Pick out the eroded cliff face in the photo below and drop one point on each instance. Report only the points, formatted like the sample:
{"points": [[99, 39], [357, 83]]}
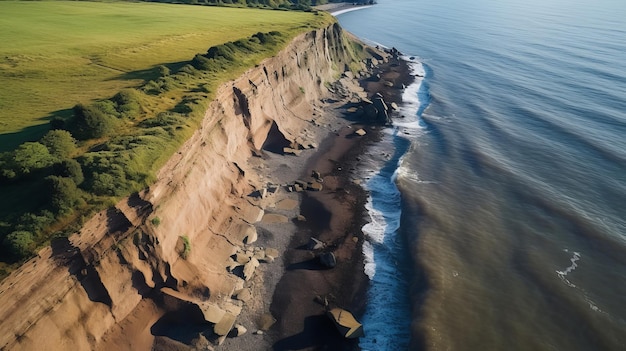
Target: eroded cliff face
{"points": [[122, 263]]}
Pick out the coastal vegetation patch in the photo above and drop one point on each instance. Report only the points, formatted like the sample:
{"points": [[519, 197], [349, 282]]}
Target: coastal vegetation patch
{"points": [[111, 145], [55, 54]]}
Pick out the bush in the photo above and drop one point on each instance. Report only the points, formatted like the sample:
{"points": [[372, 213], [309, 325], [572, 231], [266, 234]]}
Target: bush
{"points": [[92, 122], [128, 102], [164, 71], [69, 168], [19, 243], [155, 221], [64, 194], [29, 157], [186, 247], [60, 143]]}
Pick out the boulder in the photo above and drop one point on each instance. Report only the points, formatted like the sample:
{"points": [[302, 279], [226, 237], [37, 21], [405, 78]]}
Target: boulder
{"points": [[244, 295], [250, 234], [394, 106], [327, 259], [315, 186], [249, 268], [211, 312], [315, 174], [266, 321], [271, 253], [315, 244], [238, 330], [259, 255], [345, 322], [292, 151], [360, 132], [225, 324], [242, 258]]}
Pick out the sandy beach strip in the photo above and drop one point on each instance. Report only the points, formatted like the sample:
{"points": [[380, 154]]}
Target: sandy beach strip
{"points": [[334, 216]]}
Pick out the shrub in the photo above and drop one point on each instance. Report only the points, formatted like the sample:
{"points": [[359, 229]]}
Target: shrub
{"points": [[64, 194], [93, 122], [224, 51], [35, 222], [69, 168], [155, 221], [29, 157], [186, 247], [128, 102], [19, 243], [164, 71], [60, 143]]}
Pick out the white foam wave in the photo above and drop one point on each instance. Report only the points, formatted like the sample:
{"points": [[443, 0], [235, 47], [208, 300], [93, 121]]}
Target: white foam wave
{"points": [[563, 274], [407, 174], [341, 12], [370, 264], [375, 229]]}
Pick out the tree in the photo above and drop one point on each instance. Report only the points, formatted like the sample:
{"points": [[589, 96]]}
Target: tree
{"points": [[30, 156], [19, 243], [60, 143], [64, 194], [70, 168], [92, 122]]}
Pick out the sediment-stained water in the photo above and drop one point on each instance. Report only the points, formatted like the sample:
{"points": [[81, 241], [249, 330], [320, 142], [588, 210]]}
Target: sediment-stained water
{"points": [[503, 189]]}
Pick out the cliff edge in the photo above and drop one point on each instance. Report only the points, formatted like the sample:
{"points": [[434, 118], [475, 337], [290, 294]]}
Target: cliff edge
{"points": [[179, 251]]}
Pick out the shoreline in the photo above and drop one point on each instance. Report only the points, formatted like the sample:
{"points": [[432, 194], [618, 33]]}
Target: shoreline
{"points": [[336, 216], [338, 8]]}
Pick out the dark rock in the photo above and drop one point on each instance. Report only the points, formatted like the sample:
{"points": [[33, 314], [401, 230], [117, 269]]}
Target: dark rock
{"points": [[327, 259], [315, 244]]}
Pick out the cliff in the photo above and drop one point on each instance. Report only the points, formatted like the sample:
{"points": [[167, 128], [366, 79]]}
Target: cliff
{"points": [[170, 248]]}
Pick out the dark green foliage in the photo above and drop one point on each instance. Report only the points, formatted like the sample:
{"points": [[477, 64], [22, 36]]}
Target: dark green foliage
{"points": [[161, 120], [64, 194], [69, 168], [223, 51], [164, 71], [155, 221], [186, 247], [26, 159], [117, 171], [60, 143], [35, 222], [128, 103], [19, 243], [94, 121]]}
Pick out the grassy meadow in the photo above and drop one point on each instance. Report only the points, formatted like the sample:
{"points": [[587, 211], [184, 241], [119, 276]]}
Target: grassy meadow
{"points": [[55, 54]]}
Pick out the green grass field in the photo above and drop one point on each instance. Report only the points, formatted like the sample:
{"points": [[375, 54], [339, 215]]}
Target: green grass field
{"points": [[55, 54]]}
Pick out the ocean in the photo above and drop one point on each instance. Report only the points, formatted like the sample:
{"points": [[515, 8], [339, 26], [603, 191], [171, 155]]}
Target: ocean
{"points": [[498, 200]]}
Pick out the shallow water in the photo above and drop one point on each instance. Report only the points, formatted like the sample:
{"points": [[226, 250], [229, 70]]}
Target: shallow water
{"points": [[511, 170]]}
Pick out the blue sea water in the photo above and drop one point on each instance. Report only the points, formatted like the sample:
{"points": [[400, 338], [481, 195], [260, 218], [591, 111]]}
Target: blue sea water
{"points": [[498, 203]]}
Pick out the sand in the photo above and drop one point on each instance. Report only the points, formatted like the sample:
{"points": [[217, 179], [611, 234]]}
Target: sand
{"points": [[289, 287]]}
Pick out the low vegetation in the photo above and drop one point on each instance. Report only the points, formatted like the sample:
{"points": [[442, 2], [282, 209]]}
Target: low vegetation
{"points": [[104, 149], [186, 248], [56, 54]]}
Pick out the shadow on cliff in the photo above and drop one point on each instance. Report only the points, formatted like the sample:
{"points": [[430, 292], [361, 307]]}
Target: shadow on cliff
{"points": [[64, 253]]}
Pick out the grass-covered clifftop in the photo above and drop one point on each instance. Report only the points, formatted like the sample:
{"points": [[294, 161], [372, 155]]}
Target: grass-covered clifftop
{"points": [[55, 54], [121, 100]]}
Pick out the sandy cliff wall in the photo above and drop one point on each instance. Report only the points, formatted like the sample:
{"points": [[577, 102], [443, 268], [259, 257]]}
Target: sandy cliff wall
{"points": [[120, 263]]}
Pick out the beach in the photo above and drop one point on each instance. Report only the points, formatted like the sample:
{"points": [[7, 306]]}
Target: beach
{"points": [[293, 288]]}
